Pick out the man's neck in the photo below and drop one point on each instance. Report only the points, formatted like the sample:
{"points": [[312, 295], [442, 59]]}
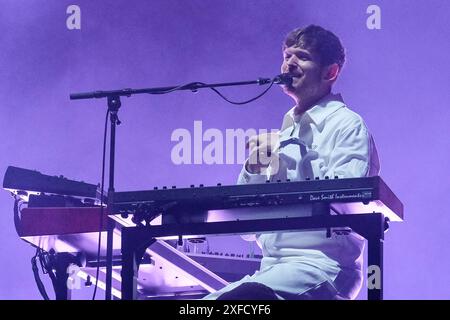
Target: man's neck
{"points": [[304, 105]]}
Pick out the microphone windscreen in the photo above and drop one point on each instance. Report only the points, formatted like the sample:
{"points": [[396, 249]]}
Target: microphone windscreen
{"points": [[284, 78]]}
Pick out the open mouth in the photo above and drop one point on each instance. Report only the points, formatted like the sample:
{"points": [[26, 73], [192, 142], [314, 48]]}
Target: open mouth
{"points": [[294, 82]]}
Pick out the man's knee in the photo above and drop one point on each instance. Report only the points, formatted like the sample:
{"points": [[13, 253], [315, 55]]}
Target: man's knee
{"points": [[249, 291]]}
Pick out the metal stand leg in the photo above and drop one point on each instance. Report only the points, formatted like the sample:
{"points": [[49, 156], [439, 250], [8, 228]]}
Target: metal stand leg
{"points": [[133, 249], [371, 227], [61, 263], [113, 108], [375, 269]]}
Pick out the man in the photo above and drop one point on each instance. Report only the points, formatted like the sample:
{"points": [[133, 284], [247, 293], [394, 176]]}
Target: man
{"points": [[319, 138]]}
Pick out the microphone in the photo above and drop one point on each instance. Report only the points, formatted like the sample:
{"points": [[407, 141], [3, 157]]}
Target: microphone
{"points": [[283, 79]]}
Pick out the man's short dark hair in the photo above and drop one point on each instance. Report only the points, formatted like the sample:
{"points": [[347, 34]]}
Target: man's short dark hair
{"points": [[325, 44]]}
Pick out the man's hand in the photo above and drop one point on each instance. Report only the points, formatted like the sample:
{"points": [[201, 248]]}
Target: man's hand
{"points": [[263, 149]]}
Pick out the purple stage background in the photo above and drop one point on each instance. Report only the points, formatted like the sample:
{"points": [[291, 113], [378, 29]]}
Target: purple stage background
{"points": [[397, 78]]}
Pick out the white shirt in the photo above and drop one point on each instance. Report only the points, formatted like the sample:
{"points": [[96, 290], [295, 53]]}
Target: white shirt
{"points": [[327, 140]]}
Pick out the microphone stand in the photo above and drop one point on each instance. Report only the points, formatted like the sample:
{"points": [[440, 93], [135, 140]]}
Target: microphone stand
{"points": [[114, 103]]}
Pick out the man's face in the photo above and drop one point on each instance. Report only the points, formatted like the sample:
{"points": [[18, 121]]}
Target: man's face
{"points": [[307, 72]]}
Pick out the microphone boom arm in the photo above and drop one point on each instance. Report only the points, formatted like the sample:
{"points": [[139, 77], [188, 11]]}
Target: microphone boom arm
{"points": [[194, 86]]}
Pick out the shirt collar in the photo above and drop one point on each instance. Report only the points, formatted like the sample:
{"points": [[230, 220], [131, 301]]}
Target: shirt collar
{"points": [[322, 109]]}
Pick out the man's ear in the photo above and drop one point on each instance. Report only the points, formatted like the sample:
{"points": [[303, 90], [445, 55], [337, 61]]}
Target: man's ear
{"points": [[331, 72]]}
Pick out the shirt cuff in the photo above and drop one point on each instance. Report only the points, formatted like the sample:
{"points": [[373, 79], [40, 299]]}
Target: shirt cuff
{"points": [[246, 177]]}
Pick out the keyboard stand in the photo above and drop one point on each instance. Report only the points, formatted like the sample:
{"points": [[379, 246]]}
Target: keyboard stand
{"points": [[371, 226]]}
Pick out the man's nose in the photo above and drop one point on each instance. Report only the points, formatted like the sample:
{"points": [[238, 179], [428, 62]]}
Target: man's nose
{"points": [[291, 67], [291, 60]]}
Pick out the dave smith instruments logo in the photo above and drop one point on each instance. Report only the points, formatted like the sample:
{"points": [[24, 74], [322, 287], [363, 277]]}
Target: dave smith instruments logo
{"points": [[340, 196]]}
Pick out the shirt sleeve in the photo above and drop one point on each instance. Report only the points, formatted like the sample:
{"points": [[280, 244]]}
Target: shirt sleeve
{"points": [[351, 156]]}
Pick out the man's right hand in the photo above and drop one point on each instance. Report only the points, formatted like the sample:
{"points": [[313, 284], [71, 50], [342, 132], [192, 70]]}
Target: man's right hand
{"points": [[263, 149]]}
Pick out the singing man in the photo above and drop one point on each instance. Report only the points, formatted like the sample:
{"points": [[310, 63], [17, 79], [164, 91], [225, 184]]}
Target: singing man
{"points": [[320, 137]]}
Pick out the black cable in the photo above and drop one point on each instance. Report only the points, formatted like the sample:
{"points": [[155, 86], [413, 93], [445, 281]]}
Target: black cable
{"points": [[42, 255], [105, 132], [34, 267], [37, 279], [16, 214], [217, 91], [177, 88], [49, 263], [243, 102]]}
